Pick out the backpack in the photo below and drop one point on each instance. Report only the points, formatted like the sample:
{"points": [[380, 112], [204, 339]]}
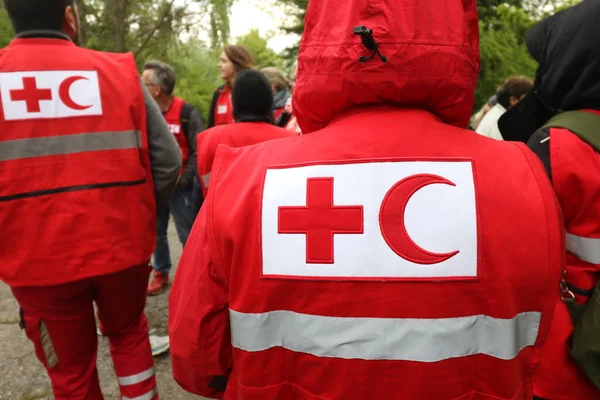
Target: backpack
{"points": [[186, 111], [585, 349]]}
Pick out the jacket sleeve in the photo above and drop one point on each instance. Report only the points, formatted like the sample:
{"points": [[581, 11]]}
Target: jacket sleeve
{"points": [[165, 155], [201, 350], [194, 127], [207, 144]]}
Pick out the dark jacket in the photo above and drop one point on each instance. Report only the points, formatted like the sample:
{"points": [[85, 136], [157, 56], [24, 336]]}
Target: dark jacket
{"points": [[192, 126], [567, 78], [213, 106]]}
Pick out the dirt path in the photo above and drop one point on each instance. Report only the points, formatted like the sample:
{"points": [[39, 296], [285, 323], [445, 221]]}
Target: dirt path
{"points": [[22, 377]]}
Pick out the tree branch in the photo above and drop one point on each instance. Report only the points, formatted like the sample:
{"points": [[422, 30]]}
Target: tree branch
{"points": [[154, 29]]}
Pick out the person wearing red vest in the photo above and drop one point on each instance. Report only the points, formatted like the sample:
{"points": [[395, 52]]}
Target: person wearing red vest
{"points": [[252, 109], [384, 254], [184, 123], [86, 159], [567, 80], [233, 60]]}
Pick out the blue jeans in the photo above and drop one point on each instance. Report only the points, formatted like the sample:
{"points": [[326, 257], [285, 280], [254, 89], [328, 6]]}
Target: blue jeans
{"points": [[197, 197], [184, 214]]}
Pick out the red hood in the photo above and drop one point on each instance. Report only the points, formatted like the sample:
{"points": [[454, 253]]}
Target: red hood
{"points": [[432, 48]]}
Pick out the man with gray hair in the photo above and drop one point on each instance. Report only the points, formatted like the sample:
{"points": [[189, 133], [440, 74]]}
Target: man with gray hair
{"points": [[185, 123]]}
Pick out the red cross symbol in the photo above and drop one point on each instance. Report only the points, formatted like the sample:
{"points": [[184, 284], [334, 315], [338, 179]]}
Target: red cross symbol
{"points": [[320, 220], [31, 95]]}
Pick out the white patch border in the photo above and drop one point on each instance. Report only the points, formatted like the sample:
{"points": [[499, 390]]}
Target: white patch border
{"points": [[58, 109], [432, 160]]}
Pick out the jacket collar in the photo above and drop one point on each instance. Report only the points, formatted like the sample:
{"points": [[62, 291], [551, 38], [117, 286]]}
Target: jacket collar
{"points": [[254, 118], [42, 34]]}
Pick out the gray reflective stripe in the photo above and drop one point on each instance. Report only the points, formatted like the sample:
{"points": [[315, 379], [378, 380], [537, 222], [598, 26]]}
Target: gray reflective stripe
{"points": [[137, 378], [148, 396], [68, 144], [206, 179], [420, 340], [587, 249]]}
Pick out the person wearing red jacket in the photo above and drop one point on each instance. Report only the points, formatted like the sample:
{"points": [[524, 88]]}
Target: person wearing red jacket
{"points": [[384, 254], [86, 160], [185, 123], [252, 103], [233, 60], [567, 80]]}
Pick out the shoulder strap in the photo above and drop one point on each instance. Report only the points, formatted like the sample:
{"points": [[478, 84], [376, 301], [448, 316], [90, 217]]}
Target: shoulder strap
{"points": [[584, 124], [539, 143], [186, 112]]}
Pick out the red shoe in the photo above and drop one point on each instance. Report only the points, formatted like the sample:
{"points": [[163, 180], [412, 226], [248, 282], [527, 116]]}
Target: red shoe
{"points": [[159, 284]]}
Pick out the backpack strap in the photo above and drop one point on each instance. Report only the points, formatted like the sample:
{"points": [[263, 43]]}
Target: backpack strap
{"points": [[584, 124], [539, 143], [186, 112]]}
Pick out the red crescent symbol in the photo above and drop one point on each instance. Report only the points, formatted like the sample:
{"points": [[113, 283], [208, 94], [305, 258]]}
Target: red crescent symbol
{"points": [[65, 96], [391, 220]]}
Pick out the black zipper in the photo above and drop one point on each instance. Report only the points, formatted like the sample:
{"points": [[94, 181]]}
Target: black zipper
{"points": [[47, 192]]}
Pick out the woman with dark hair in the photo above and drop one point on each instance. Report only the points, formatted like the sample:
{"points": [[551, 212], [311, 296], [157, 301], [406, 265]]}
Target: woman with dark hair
{"points": [[233, 60]]}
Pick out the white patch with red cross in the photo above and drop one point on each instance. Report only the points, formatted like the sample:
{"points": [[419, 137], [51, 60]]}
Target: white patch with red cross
{"points": [[392, 220], [175, 129], [49, 94]]}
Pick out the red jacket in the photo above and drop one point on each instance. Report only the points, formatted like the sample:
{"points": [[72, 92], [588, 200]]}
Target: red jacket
{"points": [[173, 118], [313, 275], [233, 135], [575, 169], [76, 192], [221, 110]]}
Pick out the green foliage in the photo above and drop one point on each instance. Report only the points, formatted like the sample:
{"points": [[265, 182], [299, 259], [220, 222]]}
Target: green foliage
{"points": [[265, 56], [487, 8], [6, 32], [197, 77], [219, 22], [503, 50], [296, 9]]}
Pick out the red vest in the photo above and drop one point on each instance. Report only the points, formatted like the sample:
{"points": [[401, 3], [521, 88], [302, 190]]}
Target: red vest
{"points": [[234, 135], [76, 191], [277, 113], [356, 270], [575, 169], [173, 117], [224, 107]]}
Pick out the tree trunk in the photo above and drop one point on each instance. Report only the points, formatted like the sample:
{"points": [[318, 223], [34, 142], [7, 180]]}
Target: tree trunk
{"points": [[116, 23]]}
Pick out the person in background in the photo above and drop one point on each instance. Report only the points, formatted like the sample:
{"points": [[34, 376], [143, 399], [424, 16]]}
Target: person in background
{"points": [[566, 47], [281, 94], [292, 124], [476, 119], [185, 123], [252, 105], [86, 160], [234, 59], [300, 277], [508, 95]]}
